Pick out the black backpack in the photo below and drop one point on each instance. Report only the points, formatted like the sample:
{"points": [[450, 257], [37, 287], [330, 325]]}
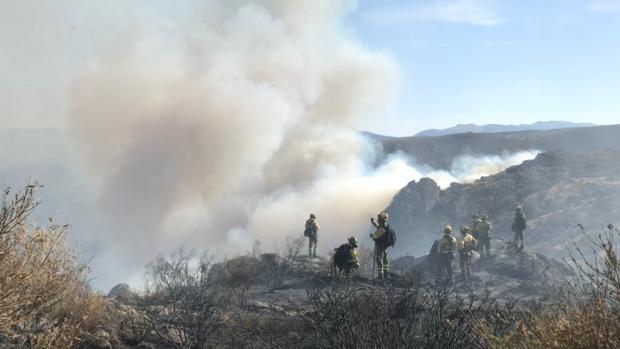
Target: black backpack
{"points": [[342, 254], [391, 234], [389, 238]]}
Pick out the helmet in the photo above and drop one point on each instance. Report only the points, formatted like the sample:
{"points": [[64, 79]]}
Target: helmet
{"points": [[447, 229], [312, 215], [353, 241], [519, 208], [383, 216], [484, 217], [465, 229]]}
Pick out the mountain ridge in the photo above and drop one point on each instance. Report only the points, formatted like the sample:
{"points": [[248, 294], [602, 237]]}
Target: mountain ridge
{"points": [[499, 128]]}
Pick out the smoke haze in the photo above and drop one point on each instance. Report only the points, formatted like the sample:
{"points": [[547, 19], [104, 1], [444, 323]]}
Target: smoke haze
{"points": [[234, 129], [227, 125]]}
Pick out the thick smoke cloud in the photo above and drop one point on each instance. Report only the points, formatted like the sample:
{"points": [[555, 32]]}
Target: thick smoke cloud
{"points": [[192, 129], [235, 125]]}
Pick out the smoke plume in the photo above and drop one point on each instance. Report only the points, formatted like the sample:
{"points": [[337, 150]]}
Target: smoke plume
{"points": [[235, 126]]}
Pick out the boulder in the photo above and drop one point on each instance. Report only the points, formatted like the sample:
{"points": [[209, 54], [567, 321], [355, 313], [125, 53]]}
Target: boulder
{"points": [[238, 271], [405, 264], [123, 293]]}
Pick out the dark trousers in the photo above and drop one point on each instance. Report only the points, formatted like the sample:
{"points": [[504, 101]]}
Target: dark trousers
{"points": [[312, 242], [383, 264], [484, 244], [518, 238], [465, 264], [445, 266]]}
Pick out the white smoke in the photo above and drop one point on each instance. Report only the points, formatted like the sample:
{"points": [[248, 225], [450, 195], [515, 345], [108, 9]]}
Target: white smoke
{"points": [[236, 125]]}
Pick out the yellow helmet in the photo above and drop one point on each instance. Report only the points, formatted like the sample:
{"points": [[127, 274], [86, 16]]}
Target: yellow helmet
{"points": [[465, 229], [383, 216], [447, 229]]}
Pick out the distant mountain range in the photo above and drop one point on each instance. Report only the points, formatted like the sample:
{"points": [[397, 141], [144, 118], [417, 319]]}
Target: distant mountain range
{"points": [[496, 128]]}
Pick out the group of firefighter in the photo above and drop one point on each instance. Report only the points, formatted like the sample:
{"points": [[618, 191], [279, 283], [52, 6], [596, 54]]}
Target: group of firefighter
{"points": [[475, 238]]}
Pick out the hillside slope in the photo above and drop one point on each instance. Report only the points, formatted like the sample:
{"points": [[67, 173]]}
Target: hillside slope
{"points": [[558, 191], [439, 152]]}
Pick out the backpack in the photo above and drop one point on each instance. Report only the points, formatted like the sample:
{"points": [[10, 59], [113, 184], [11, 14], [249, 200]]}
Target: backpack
{"points": [[389, 238], [309, 230], [342, 254]]}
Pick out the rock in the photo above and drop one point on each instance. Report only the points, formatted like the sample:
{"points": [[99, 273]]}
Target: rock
{"points": [[304, 265], [508, 273], [557, 191], [123, 293], [406, 264], [238, 271]]}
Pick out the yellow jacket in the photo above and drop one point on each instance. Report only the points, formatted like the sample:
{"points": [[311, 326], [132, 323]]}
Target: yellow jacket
{"points": [[312, 224], [447, 244], [378, 233], [467, 243]]}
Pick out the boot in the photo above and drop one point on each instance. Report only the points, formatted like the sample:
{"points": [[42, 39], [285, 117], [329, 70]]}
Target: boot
{"points": [[380, 276]]}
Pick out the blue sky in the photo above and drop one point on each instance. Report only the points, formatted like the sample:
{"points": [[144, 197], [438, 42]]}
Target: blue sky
{"points": [[461, 61], [496, 61]]}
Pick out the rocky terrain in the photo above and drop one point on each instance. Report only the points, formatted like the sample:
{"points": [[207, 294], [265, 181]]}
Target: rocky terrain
{"points": [[508, 275], [564, 196]]}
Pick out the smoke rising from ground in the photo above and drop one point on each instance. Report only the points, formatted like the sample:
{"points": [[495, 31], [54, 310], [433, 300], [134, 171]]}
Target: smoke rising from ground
{"points": [[236, 125]]}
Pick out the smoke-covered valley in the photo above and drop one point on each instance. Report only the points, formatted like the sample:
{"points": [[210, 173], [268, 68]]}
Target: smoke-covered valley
{"points": [[119, 245]]}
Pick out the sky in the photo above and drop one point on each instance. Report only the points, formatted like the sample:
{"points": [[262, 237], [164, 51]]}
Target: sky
{"points": [[460, 61]]}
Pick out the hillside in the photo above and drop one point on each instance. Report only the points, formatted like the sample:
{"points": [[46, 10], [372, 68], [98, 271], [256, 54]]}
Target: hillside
{"points": [[558, 190], [439, 152]]}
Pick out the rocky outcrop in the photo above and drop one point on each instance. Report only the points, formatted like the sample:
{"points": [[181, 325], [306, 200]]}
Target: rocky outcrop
{"points": [[123, 293], [508, 273], [557, 191]]}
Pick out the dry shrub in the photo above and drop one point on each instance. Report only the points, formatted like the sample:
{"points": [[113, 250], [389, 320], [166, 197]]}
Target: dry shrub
{"points": [[43, 298], [275, 267], [584, 314], [76, 317], [181, 306], [353, 316]]}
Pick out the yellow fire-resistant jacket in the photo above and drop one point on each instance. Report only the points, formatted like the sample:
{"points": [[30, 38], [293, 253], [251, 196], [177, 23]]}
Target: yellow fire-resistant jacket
{"points": [[467, 243], [313, 225], [378, 233], [447, 244]]}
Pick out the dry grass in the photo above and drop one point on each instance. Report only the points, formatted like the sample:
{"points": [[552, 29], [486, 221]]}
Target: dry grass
{"points": [[585, 314], [44, 302]]}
